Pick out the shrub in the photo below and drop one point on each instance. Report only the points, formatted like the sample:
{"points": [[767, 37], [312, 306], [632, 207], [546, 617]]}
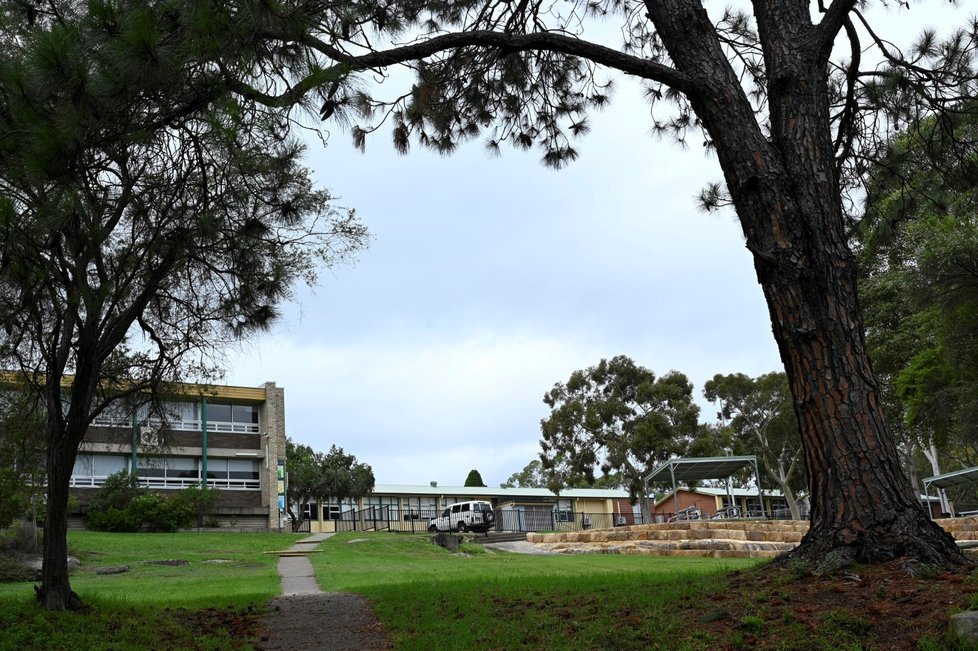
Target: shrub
{"points": [[200, 500], [111, 506], [19, 538], [121, 505]]}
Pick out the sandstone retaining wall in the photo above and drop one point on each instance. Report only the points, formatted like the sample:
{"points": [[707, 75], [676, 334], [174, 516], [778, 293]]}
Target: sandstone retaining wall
{"points": [[712, 538]]}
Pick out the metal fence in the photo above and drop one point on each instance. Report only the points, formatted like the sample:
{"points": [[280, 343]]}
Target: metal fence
{"points": [[389, 518]]}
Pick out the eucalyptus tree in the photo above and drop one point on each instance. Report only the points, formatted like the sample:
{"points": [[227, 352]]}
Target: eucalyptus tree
{"points": [[305, 476], [918, 253], [619, 417], [148, 218], [319, 475], [793, 128], [531, 476], [763, 423]]}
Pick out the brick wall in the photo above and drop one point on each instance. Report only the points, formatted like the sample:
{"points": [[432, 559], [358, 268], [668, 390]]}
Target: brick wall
{"points": [[273, 425], [706, 503]]}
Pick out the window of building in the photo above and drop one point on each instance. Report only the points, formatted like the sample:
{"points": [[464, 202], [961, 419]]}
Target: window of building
{"points": [[563, 511], [419, 508], [232, 418], [336, 510], [181, 472], [93, 469], [243, 469]]}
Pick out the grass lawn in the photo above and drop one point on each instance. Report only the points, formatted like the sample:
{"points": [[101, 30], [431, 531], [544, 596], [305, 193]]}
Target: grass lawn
{"points": [[152, 606], [431, 599]]}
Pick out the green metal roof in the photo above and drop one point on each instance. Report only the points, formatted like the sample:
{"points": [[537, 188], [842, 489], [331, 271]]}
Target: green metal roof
{"points": [[489, 491], [699, 468], [956, 478]]}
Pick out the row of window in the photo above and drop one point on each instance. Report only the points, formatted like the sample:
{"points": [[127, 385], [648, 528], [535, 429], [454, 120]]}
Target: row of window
{"points": [[186, 416], [171, 472]]}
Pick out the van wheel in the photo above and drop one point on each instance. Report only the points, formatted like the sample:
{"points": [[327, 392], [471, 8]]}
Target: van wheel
{"points": [[461, 527], [432, 528]]}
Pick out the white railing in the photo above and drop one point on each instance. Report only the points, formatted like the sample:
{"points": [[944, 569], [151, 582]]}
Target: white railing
{"points": [[182, 425], [174, 483]]}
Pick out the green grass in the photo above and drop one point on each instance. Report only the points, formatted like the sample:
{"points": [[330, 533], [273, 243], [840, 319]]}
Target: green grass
{"points": [[248, 576], [151, 606], [431, 599], [427, 597]]}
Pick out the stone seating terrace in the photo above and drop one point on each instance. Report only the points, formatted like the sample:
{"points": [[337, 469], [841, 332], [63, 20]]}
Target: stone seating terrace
{"points": [[704, 538]]}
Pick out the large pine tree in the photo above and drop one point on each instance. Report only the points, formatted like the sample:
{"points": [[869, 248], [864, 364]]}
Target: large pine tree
{"points": [[792, 129]]}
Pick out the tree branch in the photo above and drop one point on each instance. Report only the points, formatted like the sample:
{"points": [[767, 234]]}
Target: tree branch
{"points": [[549, 41], [835, 18]]}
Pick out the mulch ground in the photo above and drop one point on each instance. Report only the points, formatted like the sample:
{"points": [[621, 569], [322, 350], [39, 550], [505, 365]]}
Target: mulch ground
{"points": [[337, 621], [890, 606]]}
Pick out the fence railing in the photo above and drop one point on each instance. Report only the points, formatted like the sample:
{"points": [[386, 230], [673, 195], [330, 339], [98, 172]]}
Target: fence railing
{"points": [[172, 482], [378, 518], [389, 518]]}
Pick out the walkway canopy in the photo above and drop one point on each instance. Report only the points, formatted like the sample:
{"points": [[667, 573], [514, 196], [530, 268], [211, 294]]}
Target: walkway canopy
{"points": [[956, 478], [693, 469]]}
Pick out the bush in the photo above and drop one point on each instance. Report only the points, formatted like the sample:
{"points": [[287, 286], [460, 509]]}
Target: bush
{"points": [[111, 506], [17, 543], [201, 501], [122, 506], [13, 569], [19, 538]]}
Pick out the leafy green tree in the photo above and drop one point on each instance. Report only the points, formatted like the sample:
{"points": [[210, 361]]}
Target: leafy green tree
{"points": [[763, 423], [148, 216], [21, 459], [918, 250], [619, 417], [532, 476], [315, 475], [345, 477], [305, 476], [474, 479]]}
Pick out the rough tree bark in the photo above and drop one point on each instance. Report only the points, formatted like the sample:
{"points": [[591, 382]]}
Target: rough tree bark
{"points": [[63, 439], [786, 194]]}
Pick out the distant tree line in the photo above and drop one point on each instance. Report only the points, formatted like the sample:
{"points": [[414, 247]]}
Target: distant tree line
{"points": [[619, 418]]}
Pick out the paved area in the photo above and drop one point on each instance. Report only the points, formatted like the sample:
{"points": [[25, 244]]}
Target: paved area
{"points": [[520, 547], [296, 571]]}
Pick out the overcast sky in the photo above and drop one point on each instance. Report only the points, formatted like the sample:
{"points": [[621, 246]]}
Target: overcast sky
{"points": [[489, 279]]}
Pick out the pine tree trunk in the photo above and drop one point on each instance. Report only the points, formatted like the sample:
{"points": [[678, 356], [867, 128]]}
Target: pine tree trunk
{"points": [[55, 591], [783, 184]]}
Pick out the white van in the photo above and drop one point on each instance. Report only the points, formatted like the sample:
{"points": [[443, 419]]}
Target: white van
{"points": [[464, 516]]}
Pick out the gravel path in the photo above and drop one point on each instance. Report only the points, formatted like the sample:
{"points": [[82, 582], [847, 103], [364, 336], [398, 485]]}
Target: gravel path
{"points": [[305, 618]]}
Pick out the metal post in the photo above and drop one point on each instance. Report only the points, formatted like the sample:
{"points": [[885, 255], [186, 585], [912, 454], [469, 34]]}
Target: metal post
{"points": [[760, 491], [675, 492], [135, 438], [930, 511]]}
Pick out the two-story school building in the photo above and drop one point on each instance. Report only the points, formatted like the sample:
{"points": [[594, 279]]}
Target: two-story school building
{"points": [[228, 438]]}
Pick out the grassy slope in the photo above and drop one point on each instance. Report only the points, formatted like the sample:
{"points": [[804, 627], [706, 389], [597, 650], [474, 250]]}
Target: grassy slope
{"points": [[431, 599], [146, 607]]}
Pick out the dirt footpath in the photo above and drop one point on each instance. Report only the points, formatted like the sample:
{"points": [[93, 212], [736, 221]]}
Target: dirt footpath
{"points": [[335, 621], [304, 618]]}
